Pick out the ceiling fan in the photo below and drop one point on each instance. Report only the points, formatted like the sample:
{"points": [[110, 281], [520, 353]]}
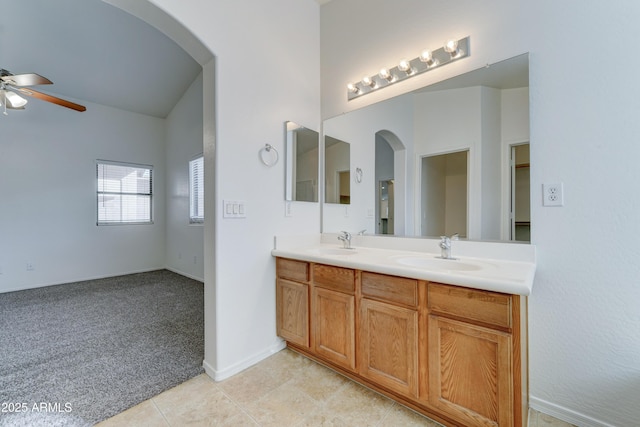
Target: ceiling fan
{"points": [[12, 84]]}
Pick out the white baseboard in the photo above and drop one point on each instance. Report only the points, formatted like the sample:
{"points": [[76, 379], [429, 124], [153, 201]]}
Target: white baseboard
{"points": [[565, 414], [97, 277], [182, 273], [80, 279], [222, 374]]}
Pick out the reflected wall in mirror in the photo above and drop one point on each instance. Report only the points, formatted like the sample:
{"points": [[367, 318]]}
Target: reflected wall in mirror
{"points": [[302, 159], [444, 194], [337, 171], [484, 113]]}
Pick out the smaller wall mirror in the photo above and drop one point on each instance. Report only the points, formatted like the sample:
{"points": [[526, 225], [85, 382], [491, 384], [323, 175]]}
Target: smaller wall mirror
{"points": [[337, 172], [302, 159]]}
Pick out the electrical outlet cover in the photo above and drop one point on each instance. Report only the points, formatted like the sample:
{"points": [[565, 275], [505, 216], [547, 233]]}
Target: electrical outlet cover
{"points": [[552, 194]]}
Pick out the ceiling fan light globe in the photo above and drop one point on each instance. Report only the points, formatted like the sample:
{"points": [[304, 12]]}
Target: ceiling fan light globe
{"points": [[14, 100]]}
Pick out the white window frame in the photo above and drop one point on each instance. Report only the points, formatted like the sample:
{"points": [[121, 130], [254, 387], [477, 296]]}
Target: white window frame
{"points": [[100, 191], [196, 190]]}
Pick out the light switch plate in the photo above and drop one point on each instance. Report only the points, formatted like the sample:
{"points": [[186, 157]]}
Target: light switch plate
{"points": [[234, 209]]}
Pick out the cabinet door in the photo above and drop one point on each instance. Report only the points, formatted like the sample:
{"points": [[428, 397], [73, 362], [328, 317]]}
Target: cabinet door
{"points": [[470, 372], [292, 308], [389, 346], [334, 328]]}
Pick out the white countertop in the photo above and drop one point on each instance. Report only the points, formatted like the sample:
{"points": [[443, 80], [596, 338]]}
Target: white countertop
{"points": [[509, 269]]}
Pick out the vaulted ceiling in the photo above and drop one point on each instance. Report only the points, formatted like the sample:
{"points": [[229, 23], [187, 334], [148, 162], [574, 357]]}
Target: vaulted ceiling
{"points": [[95, 52]]}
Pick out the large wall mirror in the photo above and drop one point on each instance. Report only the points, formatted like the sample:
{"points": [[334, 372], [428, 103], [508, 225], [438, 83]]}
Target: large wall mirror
{"points": [[302, 160], [448, 158]]}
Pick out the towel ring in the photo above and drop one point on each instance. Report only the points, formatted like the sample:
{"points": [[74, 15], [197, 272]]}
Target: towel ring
{"points": [[358, 175], [269, 155]]}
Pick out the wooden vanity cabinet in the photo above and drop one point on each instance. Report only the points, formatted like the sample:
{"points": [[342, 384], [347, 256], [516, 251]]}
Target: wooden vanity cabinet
{"points": [[474, 356], [292, 301], [333, 314], [388, 332], [455, 354]]}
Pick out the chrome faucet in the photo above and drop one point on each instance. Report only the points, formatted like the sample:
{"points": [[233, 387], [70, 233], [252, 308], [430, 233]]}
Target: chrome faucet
{"points": [[345, 236], [445, 246]]}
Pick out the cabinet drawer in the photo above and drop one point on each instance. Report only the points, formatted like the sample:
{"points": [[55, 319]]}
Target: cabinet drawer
{"points": [[391, 289], [294, 270], [472, 304], [336, 278]]}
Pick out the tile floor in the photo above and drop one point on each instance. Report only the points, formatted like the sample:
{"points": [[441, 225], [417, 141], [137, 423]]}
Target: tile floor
{"points": [[284, 390]]}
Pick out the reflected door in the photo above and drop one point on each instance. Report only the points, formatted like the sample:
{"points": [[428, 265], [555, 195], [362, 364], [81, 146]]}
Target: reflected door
{"points": [[520, 215], [344, 187]]}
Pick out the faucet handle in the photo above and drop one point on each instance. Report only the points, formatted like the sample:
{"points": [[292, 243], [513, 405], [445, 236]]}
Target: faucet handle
{"points": [[344, 236], [455, 236]]}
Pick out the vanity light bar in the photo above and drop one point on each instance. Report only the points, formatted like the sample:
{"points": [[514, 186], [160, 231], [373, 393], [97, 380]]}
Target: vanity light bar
{"points": [[427, 60]]}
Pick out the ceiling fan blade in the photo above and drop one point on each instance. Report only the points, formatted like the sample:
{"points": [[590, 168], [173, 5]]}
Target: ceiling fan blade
{"points": [[30, 79], [51, 98]]}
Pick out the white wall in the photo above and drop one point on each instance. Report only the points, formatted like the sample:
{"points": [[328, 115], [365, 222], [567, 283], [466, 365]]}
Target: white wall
{"points": [[184, 249], [583, 313], [490, 170], [515, 115], [514, 130], [48, 193], [267, 72]]}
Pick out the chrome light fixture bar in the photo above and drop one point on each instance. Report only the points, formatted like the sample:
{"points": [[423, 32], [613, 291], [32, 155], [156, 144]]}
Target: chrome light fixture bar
{"points": [[427, 60]]}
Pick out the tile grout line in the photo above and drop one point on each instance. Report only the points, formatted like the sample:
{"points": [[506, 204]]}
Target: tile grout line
{"points": [[153, 402], [237, 404], [386, 415]]}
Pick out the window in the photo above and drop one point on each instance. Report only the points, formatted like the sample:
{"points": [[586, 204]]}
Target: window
{"points": [[196, 190], [124, 193]]}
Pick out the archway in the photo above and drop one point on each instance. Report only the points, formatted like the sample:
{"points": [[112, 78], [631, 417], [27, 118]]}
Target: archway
{"points": [[168, 25], [390, 184]]}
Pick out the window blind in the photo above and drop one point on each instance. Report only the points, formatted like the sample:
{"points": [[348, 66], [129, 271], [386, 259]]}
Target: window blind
{"points": [[124, 193], [196, 193]]}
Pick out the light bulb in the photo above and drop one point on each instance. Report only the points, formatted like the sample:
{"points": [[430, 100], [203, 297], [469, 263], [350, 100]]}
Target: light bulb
{"points": [[366, 80], [352, 88], [405, 66], [451, 47], [386, 75], [426, 56]]}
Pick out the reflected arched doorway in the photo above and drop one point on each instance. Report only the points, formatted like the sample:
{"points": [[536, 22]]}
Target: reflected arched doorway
{"points": [[390, 183]]}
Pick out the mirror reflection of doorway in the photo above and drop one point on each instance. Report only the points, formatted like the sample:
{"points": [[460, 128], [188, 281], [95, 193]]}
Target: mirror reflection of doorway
{"points": [[344, 187], [444, 192], [386, 207], [520, 216], [390, 184]]}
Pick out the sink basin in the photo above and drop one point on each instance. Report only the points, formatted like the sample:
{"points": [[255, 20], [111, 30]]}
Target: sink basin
{"points": [[437, 263], [333, 251]]}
